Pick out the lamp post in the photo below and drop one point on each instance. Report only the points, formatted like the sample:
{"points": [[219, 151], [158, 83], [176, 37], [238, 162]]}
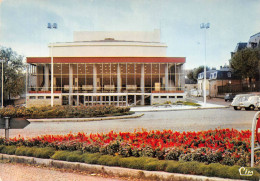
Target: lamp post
{"points": [[52, 26], [205, 26], [2, 95]]}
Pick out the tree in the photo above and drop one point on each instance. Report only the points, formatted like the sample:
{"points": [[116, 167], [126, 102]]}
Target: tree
{"points": [[198, 70], [246, 63], [14, 77]]}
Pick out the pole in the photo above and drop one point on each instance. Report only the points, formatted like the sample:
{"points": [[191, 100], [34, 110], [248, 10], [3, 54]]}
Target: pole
{"points": [[7, 121], [205, 74], [2, 84], [52, 76]]}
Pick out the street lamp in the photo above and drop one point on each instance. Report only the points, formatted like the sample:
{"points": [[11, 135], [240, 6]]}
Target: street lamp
{"points": [[2, 96], [205, 26], [52, 26]]}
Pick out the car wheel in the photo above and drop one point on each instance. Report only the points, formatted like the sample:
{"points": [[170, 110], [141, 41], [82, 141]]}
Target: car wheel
{"points": [[226, 100], [237, 108], [247, 108], [251, 107]]}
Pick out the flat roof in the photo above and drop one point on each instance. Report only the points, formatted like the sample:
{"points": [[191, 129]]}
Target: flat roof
{"points": [[106, 59]]}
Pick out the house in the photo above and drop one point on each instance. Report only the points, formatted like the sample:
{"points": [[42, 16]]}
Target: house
{"points": [[254, 41], [106, 68], [219, 79], [240, 46], [201, 82]]}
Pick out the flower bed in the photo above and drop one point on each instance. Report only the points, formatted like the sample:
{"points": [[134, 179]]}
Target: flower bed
{"points": [[225, 146], [63, 111]]}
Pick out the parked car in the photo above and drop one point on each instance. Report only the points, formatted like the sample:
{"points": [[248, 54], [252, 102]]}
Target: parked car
{"points": [[251, 103], [229, 97], [239, 98]]}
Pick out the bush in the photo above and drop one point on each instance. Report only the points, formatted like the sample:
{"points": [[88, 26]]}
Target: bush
{"points": [[21, 151], [60, 155], [10, 150], [43, 152], [91, 158], [75, 156], [62, 111]]}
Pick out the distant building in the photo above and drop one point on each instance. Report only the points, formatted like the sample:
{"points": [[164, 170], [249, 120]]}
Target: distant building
{"points": [[240, 46], [221, 78], [254, 41], [201, 82], [190, 85], [107, 68]]}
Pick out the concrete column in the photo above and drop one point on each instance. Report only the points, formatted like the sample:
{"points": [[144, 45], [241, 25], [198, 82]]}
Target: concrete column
{"points": [[37, 78], [135, 100], [126, 100], [109, 98], [46, 77], [142, 84], [70, 84], [119, 81], [166, 77], [94, 78]]}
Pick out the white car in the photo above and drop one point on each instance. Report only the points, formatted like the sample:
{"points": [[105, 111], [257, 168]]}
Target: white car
{"points": [[251, 103], [238, 99]]}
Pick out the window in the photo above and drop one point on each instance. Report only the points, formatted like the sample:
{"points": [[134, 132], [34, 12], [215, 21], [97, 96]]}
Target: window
{"points": [[155, 97], [40, 97], [163, 97], [48, 97], [179, 96], [56, 97], [172, 97], [229, 74], [32, 97]]}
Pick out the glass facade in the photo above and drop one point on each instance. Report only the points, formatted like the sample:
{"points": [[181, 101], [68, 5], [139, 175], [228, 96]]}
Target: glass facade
{"points": [[103, 83]]}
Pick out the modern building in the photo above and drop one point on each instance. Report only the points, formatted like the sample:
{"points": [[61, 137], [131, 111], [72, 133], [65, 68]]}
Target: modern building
{"points": [[119, 68]]}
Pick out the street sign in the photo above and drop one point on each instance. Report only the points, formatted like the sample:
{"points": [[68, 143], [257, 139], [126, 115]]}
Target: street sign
{"points": [[257, 130], [15, 123]]}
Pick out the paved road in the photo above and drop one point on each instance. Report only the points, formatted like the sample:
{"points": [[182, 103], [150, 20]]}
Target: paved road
{"points": [[186, 120], [21, 172]]}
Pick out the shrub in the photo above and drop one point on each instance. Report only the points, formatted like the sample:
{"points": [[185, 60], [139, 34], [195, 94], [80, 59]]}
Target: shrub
{"points": [[91, 158], [30, 151], [60, 155], [21, 151], [43, 152], [75, 156], [62, 111], [9, 150], [156, 165]]}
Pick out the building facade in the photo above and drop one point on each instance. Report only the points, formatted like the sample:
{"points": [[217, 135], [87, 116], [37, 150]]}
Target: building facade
{"points": [[108, 68]]}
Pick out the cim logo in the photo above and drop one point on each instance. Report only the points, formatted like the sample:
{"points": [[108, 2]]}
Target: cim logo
{"points": [[244, 172]]}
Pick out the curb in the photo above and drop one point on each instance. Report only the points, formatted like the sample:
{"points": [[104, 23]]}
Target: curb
{"points": [[85, 119], [109, 170]]}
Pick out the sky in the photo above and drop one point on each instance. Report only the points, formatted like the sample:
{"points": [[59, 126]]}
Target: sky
{"points": [[23, 24]]}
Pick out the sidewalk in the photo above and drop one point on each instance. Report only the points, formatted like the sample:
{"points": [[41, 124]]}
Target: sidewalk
{"points": [[176, 107]]}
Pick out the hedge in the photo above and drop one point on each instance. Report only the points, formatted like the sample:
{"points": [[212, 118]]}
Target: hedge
{"points": [[143, 163], [63, 111]]}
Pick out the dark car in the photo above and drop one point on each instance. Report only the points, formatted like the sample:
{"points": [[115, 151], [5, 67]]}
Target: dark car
{"points": [[229, 97]]}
